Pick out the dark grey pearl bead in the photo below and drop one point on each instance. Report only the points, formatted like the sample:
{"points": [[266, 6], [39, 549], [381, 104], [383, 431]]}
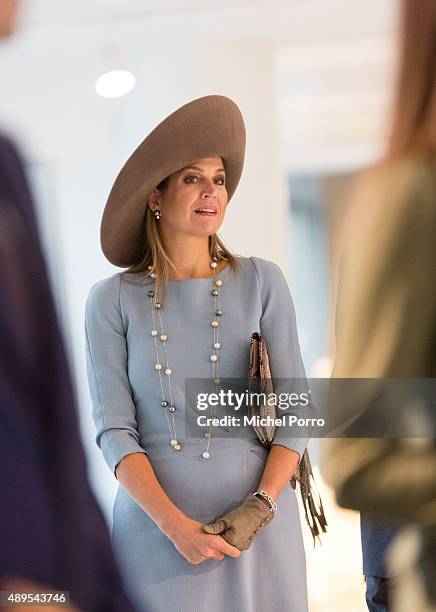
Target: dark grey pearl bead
{"points": [[164, 403], [215, 292], [172, 409], [218, 312], [151, 293]]}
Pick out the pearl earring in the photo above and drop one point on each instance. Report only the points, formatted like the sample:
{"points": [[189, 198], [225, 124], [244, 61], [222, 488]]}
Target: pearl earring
{"points": [[156, 214]]}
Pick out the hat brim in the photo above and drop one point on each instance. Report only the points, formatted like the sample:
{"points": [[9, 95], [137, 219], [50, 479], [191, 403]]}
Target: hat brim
{"points": [[211, 125]]}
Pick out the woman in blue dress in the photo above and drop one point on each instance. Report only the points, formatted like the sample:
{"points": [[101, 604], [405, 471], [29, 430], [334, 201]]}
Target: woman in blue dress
{"points": [[186, 308]]}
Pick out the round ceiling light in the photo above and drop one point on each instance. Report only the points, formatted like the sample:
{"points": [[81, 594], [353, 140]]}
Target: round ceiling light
{"points": [[115, 83]]}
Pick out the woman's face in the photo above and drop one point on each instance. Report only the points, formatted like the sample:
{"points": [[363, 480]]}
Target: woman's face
{"points": [[194, 200]]}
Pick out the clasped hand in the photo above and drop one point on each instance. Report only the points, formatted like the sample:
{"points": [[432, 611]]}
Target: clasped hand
{"points": [[240, 526]]}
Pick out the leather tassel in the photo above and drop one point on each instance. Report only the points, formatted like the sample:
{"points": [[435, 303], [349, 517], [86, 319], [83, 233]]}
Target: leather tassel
{"points": [[313, 508], [260, 377]]}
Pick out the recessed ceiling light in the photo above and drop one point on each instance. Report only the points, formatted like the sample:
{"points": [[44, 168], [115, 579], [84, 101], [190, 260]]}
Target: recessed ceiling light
{"points": [[115, 83]]}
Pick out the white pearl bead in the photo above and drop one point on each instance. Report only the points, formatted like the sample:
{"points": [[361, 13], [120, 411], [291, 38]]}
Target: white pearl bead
{"points": [[214, 357], [216, 381], [217, 345], [158, 366], [213, 265], [149, 267], [153, 275], [164, 337], [174, 442], [168, 371], [214, 323], [218, 283], [208, 435], [153, 332], [206, 455]]}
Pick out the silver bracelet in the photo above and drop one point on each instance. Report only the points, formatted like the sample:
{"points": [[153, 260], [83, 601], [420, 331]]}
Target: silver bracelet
{"points": [[270, 500]]}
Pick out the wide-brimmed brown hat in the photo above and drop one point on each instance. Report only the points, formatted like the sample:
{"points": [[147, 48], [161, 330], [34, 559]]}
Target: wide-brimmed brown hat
{"points": [[212, 125]]}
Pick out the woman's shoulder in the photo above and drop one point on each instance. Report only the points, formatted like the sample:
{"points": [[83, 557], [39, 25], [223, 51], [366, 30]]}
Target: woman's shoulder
{"points": [[415, 168], [391, 193], [104, 290], [267, 272], [400, 182], [256, 263], [264, 268]]}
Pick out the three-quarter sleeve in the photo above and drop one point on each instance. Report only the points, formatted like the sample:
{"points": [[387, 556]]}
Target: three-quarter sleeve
{"points": [[278, 328], [113, 409]]}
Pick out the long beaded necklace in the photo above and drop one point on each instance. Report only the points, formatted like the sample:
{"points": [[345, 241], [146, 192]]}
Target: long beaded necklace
{"points": [[167, 404]]}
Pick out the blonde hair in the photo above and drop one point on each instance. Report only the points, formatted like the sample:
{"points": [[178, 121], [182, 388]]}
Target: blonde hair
{"points": [[157, 260]]}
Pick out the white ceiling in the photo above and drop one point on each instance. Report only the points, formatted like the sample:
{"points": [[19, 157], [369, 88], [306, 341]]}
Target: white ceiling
{"points": [[63, 11], [335, 58], [290, 19]]}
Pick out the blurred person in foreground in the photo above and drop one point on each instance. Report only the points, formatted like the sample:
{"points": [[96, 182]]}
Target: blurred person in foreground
{"points": [[388, 316], [52, 533], [375, 538]]}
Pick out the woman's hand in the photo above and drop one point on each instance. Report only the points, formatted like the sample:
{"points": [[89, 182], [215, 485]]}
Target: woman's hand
{"points": [[240, 526], [197, 546]]}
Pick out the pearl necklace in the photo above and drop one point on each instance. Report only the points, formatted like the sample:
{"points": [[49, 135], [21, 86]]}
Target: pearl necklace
{"points": [[168, 406]]}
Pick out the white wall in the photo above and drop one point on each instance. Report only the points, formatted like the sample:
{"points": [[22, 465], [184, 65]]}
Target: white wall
{"points": [[83, 140], [262, 57]]}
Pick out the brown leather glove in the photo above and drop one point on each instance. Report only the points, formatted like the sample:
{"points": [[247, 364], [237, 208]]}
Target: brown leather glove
{"points": [[240, 526]]}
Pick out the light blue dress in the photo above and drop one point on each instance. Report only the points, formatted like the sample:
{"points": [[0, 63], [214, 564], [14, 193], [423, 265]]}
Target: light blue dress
{"points": [[126, 398]]}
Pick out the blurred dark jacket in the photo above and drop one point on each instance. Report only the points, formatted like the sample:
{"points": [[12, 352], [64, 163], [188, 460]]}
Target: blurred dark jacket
{"points": [[51, 529]]}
